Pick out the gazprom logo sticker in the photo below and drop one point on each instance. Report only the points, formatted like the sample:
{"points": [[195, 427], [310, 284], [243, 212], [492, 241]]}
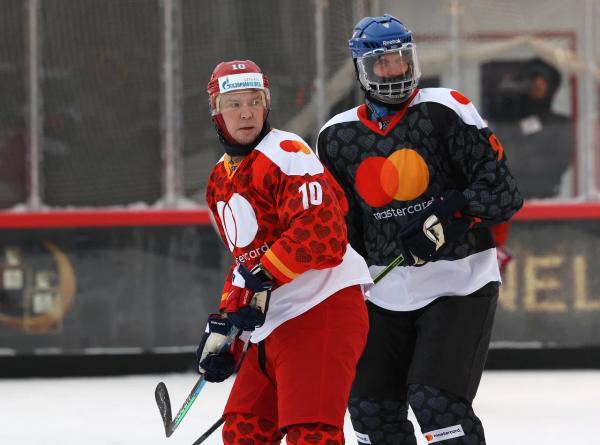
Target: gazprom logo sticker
{"points": [[444, 434], [240, 82]]}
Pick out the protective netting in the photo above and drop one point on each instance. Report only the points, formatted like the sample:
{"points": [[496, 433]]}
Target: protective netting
{"points": [[102, 82], [12, 103], [531, 68], [101, 88], [280, 37]]}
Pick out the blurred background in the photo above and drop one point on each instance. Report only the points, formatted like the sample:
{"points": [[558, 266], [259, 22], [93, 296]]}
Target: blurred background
{"points": [[108, 259]]}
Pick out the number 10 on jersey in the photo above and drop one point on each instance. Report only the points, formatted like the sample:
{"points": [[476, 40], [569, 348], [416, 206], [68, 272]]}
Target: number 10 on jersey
{"points": [[312, 194]]}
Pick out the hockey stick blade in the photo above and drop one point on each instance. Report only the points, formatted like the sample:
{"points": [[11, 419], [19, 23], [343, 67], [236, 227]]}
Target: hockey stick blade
{"points": [[164, 405], [163, 402]]}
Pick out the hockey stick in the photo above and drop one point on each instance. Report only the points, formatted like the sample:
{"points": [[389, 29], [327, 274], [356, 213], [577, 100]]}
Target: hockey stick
{"points": [[163, 401], [209, 431], [395, 262], [219, 422]]}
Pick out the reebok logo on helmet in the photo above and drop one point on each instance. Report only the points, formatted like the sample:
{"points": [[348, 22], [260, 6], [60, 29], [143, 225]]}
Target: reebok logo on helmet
{"points": [[392, 42]]}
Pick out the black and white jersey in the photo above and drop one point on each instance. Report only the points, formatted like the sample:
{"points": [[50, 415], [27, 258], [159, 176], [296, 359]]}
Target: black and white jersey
{"points": [[392, 171]]}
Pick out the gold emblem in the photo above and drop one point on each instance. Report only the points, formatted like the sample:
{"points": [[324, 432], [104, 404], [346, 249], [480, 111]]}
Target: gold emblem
{"points": [[35, 300]]}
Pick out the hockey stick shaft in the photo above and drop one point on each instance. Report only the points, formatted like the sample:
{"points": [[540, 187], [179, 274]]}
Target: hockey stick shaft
{"points": [[191, 398], [209, 431], [396, 262]]}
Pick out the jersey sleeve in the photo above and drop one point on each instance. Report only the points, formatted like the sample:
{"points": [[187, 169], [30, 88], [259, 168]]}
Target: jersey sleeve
{"points": [[226, 287], [312, 215], [476, 152], [353, 216], [337, 191], [492, 192]]}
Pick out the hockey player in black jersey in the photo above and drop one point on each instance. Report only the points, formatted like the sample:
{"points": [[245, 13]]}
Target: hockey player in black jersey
{"points": [[425, 178]]}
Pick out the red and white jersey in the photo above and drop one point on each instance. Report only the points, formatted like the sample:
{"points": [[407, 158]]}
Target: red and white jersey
{"points": [[282, 208]]}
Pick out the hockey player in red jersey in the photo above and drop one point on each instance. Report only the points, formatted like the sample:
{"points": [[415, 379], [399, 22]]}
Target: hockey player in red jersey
{"points": [[426, 179], [295, 282]]}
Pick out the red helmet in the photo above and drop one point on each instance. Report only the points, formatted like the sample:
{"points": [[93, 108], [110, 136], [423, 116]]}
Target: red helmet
{"points": [[232, 76]]}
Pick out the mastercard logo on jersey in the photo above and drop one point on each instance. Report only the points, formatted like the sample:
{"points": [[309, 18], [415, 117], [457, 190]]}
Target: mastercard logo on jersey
{"points": [[238, 221], [294, 147], [402, 176]]}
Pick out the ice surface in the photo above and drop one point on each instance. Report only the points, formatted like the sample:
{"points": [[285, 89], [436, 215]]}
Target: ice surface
{"points": [[524, 407]]}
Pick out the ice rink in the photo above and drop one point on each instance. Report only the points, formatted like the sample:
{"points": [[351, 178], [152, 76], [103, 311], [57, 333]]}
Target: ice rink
{"points": [[517, 407]]}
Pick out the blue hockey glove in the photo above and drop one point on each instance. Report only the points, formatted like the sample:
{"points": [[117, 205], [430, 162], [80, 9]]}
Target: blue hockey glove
{"points": [[213, 356], [247, 302], [424, 236]]}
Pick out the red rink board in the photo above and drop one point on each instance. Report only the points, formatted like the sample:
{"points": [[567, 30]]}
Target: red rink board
{"points": [[103, 218], [531, 211]]}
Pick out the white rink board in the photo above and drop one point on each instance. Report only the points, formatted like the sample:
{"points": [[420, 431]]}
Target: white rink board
{"points": [[532, 407]]}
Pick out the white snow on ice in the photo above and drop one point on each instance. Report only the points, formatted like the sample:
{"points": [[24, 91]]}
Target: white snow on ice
{"points": [[516, 407]]}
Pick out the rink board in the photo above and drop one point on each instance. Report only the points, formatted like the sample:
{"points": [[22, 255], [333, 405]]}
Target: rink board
{"points": [[127, 283], [109, 284]]}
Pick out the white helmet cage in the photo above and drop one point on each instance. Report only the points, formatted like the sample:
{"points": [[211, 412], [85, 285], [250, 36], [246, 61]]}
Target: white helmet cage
{"points": [[389, 75]]}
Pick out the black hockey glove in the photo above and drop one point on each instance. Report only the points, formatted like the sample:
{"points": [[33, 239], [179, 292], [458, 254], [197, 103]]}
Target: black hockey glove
{"points": [[424, 236], [248, 299], [213, 356]]}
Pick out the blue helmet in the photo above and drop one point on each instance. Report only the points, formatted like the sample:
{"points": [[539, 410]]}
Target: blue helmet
{"points": [[385, 58]]}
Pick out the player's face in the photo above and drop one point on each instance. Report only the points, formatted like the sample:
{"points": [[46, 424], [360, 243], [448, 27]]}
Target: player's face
{"points": [[390, 65], [243, 113], [539, 88]]}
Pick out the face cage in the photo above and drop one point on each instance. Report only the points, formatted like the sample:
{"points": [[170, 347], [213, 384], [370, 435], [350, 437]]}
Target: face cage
{"points": [[390, 92]]}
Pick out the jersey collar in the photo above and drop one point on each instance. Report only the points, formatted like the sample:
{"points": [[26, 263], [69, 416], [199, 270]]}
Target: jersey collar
{"points": [[230, 165], [393, 119]]}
